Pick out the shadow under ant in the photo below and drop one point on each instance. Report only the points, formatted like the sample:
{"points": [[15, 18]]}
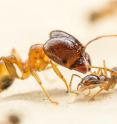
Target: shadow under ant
{"points": [[101, 97], [36, 96]]}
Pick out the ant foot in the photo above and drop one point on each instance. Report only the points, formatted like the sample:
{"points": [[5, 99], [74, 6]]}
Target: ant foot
{"points": [[92, 99], [54, 102]]}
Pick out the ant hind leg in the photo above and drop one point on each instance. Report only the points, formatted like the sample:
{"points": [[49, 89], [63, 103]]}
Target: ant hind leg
{"points": [[93, 97], [16, 54], [9, 65]]}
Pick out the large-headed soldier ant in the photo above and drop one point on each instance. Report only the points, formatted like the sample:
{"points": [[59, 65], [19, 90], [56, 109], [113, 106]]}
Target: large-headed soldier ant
{"points": [[62, 48]]}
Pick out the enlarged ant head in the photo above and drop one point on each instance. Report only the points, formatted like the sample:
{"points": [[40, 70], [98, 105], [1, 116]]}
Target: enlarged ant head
{"points": [[66, 50]]}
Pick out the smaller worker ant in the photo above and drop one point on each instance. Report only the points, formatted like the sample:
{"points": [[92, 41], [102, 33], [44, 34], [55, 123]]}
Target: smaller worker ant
{"points": [[61, 48], [108, 10], [100, 79]]}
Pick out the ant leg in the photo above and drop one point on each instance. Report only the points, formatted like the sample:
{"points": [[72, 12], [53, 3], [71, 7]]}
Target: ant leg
{"points": [[7, 74], [35, 75], [46, 76], [99, 72], [113, 84], [73, 75], [105, 69], [110, 84], [109, 70], [89, 93], [94, 73], [56, 70], [12, 71], [16, 54], [9, 65], [93, 97]]}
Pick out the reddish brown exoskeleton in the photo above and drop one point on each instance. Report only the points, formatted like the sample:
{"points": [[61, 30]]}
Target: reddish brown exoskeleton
{"points": [[67, 51], [62, 48]]}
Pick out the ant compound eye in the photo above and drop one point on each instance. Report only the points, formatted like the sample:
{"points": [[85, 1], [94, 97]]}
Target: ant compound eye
{"points": [[80, 61], [64, 61]]}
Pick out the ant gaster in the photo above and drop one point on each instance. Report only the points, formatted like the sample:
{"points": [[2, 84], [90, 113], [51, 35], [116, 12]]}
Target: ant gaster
{"points": [[61, 48]]}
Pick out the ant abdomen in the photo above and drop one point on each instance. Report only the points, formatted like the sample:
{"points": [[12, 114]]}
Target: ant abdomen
{"points": [[114, 69], [5, 78], [6, 82]]}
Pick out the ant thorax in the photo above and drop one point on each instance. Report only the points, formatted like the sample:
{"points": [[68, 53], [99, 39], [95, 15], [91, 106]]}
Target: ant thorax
{"points": [[37, 58]]}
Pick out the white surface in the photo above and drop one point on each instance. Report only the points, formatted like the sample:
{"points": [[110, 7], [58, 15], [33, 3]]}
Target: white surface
{"points": [[26, 22]]}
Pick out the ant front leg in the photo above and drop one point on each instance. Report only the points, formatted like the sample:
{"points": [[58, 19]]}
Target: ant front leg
{"points": [[35, 75], [73, 75], [56, 70]]}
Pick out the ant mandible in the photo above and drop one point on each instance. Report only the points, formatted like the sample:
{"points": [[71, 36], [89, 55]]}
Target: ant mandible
{"points": [[99, 79], [62, 48]]}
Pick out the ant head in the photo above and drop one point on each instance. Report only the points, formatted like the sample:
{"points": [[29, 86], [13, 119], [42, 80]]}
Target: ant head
{"points": [[89, 81], [82, 63]]}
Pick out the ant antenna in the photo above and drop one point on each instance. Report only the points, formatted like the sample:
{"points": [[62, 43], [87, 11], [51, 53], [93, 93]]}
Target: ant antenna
{"points": [[97, 38], [107, 69]]}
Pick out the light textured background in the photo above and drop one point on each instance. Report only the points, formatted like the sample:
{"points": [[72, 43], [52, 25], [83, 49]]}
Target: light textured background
{"points": [[27, 22]]}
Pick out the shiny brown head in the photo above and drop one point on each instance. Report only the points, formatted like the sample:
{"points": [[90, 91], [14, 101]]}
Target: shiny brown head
{"points": [[67, 51]]}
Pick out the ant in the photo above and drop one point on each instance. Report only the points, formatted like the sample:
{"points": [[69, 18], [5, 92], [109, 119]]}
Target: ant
{"points": [[106, 11], [99, 79], [61, 48]]}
